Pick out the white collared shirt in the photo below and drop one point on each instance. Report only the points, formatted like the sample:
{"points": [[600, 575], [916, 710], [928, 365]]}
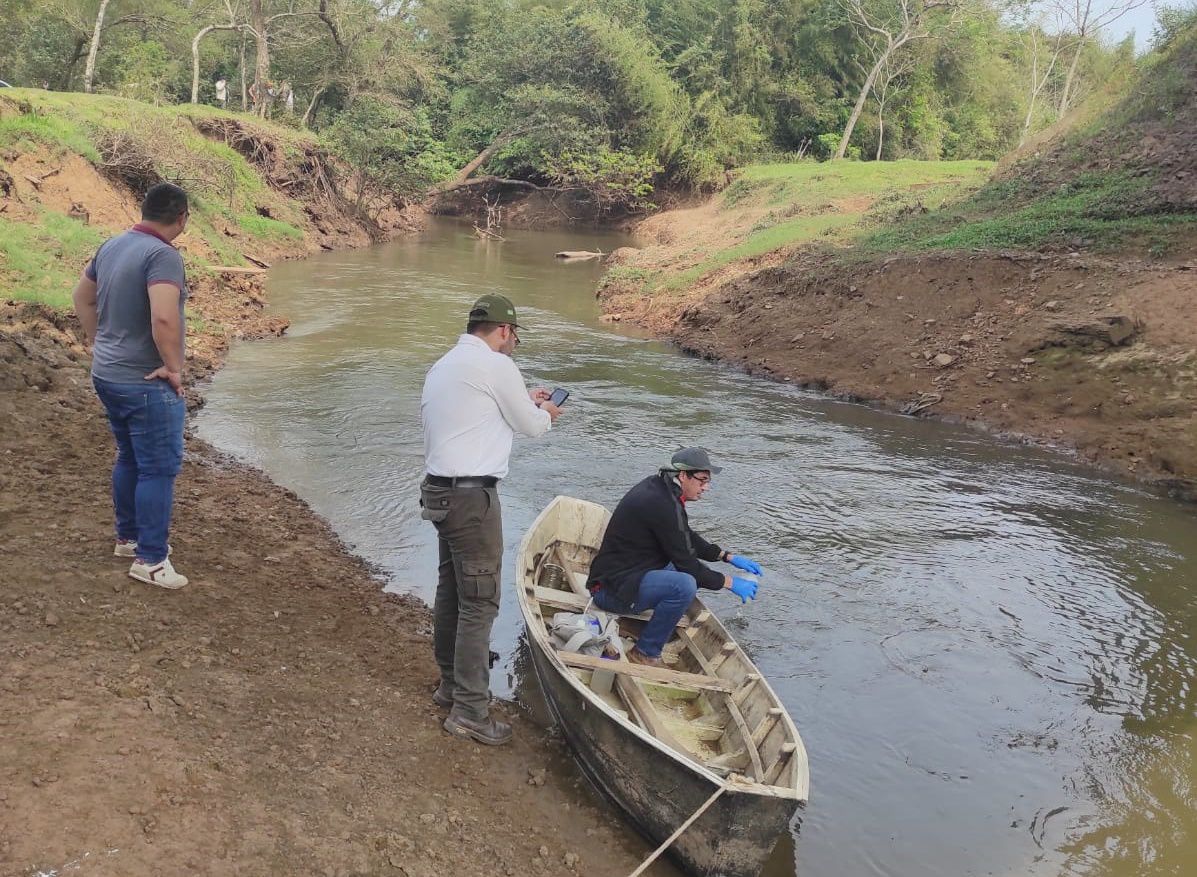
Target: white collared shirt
{"points": [[473, 404]]}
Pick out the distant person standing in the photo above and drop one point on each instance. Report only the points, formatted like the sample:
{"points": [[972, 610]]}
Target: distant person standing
{"points": [[130, 301], [289, 98], [222, 93], [473, 404]]}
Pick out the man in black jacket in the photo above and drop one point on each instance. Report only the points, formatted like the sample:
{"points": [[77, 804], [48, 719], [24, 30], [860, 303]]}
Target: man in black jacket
{"points": [[651, 559]]}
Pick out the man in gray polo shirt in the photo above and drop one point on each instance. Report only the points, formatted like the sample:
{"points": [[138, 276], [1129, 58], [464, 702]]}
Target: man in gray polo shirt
{"points": [[130, 302]]}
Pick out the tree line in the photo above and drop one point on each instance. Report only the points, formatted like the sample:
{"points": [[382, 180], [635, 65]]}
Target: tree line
{"points": [[613, 95]]}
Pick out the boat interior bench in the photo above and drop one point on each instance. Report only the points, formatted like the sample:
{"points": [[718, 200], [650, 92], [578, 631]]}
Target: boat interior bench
{"points": [[577, 603], [660, 675]]}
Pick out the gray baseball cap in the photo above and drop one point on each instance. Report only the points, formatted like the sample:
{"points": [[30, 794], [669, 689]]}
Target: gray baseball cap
{"points": [[694, 460]]}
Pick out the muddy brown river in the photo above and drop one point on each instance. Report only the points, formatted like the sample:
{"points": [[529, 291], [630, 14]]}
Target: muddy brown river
{"points": [[990, 650]]}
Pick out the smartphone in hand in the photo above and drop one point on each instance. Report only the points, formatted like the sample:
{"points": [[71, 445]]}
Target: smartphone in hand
{"points": [[558, 396]]}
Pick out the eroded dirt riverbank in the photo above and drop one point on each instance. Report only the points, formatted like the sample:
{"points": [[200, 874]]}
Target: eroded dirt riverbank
{"points": [[1088, 353]]}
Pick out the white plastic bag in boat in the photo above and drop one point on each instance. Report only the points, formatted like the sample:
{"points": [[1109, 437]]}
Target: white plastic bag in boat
{"points": [[588, 633]]}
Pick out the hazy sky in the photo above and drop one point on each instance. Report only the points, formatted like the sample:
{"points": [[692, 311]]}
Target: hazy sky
{"points": [[1140, 20]]}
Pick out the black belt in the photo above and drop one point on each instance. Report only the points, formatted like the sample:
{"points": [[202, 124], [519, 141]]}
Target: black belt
{"points": [[462, 480]]}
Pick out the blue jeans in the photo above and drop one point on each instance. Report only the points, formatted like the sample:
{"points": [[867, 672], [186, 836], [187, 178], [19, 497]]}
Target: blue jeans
{"points": [[147, 423], [667, 593]]}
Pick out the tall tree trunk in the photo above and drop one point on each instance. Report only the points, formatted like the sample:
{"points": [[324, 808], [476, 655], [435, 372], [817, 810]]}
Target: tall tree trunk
{"points": [[342, 49], [261, 58], [89, 71], [476, 162], [880, 130], [1038, 82], [68, 75], [195, 57], [865, 89], [1026, 124], [1068, 80], [244, 85], [195, 54], [307, 116]]}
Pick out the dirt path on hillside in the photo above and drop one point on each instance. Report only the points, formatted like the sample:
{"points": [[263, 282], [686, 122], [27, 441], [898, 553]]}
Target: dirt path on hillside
{"points": [[1097, 356], [271, 718]]}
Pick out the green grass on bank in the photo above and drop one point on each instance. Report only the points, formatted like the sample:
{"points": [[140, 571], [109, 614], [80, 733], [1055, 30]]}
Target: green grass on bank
{"points": [[26, 132], [810, 183], [1101, 211], [776, 237], [875, 208], [773, 207], [267, 228], [41, 262]]}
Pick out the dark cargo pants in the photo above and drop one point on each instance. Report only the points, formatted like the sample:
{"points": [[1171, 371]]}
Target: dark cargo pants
{"points": [[469, 526]]}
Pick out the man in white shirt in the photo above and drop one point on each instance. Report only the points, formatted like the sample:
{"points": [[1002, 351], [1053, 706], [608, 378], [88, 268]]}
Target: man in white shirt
{"points": [[473, 404]]}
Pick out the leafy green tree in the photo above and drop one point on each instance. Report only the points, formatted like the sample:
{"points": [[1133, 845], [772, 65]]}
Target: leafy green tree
{"points": [[618, 181], [1172, 21], [146, 71], [390, 151], [886, 29], [37, 48]]}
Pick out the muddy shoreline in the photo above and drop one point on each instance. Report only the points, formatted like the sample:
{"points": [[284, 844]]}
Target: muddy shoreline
{"points": [[272, 717], [1092, 356], [1161, 486]]}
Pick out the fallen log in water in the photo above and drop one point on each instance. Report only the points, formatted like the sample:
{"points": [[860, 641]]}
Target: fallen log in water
{"points": [[487, 235], [579, 255]]}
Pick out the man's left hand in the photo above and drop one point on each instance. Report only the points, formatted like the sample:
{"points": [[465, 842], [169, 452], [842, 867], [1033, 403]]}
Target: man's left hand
{"points": [[162, 373], [745, 563], [540, 394]]}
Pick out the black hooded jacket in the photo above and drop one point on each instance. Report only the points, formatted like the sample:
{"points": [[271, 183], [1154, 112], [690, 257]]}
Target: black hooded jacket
{"points": [[650, 530]]}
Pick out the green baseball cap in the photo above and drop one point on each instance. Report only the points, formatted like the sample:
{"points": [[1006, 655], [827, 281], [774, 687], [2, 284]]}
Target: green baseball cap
{"points": [[494, 308], [694, 460]]}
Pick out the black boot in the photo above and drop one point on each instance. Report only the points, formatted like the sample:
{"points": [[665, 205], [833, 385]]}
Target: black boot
{"points": [[490, 731], [443, 696]]}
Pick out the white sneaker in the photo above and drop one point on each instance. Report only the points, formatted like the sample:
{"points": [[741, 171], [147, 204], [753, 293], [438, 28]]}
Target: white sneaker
{"points": [[161, 574], [128, 548]]}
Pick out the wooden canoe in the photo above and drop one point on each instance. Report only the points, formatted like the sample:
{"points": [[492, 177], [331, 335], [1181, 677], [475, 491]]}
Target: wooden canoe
{"points": [[660, 741]]}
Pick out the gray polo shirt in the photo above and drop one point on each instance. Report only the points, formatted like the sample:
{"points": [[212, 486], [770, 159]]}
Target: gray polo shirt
{"points": [[123, 268]]}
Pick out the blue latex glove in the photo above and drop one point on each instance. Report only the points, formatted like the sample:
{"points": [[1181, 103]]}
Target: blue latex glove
{"points": [[745, 589], [747, 564]]}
